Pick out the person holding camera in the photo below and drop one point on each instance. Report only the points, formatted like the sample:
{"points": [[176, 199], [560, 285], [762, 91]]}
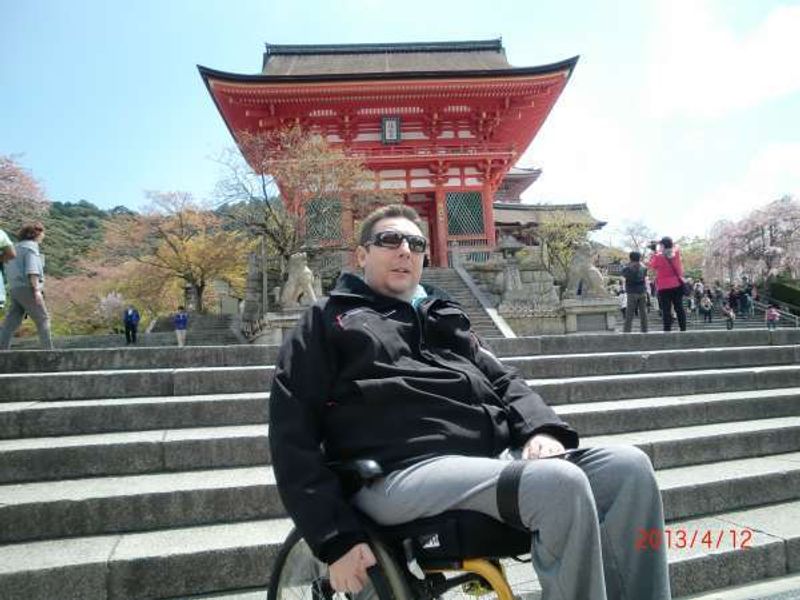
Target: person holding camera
{"points": [[667, 265]]}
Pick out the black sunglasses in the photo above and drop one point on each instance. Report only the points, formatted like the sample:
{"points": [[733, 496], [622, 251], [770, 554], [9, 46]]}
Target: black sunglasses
{"points": [[393, 240]]}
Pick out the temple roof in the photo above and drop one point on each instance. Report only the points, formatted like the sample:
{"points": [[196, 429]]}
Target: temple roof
{"points": [[531, 214], [516, 181], [332, 59]]}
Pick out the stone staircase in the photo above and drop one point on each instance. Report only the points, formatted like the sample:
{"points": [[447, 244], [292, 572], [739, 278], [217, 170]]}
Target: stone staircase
{"points": [[203, 330], [449, 280], [696, 323], [136, 473]]}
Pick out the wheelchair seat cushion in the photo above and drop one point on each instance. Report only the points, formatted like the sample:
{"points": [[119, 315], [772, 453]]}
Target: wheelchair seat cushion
{"points": [[457, 535]]}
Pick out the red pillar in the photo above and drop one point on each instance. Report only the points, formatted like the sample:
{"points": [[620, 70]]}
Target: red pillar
{"points": [[440, 260], [348, 228], [488, 212]]}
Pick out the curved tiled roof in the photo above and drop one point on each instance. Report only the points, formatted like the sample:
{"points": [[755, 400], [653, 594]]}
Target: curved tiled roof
{"points": [[330, 59]]}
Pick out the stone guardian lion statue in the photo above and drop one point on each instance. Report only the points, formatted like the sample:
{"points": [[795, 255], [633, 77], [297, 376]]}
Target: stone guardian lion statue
{"points": [[583, 277], [299, 287]]}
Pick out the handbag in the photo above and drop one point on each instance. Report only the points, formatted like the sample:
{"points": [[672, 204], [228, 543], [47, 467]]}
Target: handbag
{"points": [[685, 285]]}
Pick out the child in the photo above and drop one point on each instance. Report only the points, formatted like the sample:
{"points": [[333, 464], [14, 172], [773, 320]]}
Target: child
{"points": [[706, 307], [730, 316], [773, 315]]}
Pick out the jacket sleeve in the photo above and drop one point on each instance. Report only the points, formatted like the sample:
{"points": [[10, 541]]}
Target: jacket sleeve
{"points": [[310, 491], [527, 413]]}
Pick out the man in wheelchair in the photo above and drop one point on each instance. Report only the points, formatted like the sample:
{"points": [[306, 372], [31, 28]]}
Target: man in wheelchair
{"points": [[388, 370]]}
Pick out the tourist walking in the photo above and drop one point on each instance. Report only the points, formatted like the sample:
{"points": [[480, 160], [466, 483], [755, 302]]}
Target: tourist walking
{"points": [[772, 316], [7, 252], [666, 262], [131, 321], [706, 308], [635, 274], [25, 274], [730, 316], [181, 322]]}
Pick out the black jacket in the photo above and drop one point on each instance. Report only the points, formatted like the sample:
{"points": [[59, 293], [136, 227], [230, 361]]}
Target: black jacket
{"points": [[367, 376], [635, 275]]}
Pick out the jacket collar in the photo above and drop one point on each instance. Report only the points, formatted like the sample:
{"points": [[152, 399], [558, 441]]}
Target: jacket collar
{"points": [[350, 285]]}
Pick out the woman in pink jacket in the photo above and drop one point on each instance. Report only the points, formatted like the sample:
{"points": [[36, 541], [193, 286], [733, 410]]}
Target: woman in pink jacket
{"points": [[669, 281]]}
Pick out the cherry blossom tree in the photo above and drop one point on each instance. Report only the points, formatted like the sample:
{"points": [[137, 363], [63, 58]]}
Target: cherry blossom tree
{"points": [[21, 196], [763, 244]]}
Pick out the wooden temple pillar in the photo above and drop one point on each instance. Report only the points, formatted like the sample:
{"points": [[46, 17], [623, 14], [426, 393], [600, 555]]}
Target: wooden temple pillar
{"points": [[439, 259], [488, 212], [348, 220]]}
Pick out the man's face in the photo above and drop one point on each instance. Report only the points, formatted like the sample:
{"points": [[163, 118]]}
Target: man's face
{"points": [[393, 272]]}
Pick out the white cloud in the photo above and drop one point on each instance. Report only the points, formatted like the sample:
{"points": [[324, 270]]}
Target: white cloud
{"points": [[771, 173], [588, 156], [702, 68]]}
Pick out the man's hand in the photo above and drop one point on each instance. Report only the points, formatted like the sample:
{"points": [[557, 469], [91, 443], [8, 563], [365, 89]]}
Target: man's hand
{"points": [[349, 573], [38, 297], [541, 446]]}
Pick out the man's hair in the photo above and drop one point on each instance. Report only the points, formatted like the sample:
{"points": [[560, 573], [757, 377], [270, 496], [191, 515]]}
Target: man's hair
{"points": [[635, 256], [180, 308], [29, 231], [386, 212]]}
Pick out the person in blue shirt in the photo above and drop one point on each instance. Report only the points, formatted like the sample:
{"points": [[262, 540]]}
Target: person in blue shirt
{"points": [[131, 320], [181, 322]]}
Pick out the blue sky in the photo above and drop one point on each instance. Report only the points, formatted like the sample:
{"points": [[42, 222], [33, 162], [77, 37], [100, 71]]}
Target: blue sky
{"points": [[679, 113]]}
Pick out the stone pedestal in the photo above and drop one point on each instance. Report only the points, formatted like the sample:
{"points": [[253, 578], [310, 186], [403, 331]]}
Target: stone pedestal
{"points": [[589, 314]]}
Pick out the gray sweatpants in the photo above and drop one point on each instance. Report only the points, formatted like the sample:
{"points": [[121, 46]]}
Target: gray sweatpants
{"points": [[636, 301], [585, 513], [23, 301]]}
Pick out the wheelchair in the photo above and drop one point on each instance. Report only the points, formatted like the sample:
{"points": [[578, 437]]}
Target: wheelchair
{"points": [[454, 555]]}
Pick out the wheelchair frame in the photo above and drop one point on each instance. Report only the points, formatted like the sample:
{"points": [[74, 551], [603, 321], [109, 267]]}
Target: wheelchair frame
{"points": [[400, 574]]}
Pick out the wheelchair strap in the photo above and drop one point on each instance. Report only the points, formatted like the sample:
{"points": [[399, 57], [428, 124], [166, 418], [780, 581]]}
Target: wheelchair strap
{"points": [[508, 493]]}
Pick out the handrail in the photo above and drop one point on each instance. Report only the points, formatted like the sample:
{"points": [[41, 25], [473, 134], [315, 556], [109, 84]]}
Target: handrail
{"points": [[490, 310], [784, 314]]}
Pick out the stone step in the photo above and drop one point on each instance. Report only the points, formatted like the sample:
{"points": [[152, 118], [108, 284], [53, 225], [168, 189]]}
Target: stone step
{"points": [[121, 359], [639, 414], [697, 490], [42, 419], [612, 387], [157, 564], [712, 442], [156, 451], [626, 342], [786, 587], [125, 383], [90, 359], [73, 417], [773, 551], [101, 505], [87, 359], [615, 377], [618, 363], [238, 557]]}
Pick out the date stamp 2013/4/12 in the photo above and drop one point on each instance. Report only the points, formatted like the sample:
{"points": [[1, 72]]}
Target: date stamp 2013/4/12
{"points": [[682, 538]]}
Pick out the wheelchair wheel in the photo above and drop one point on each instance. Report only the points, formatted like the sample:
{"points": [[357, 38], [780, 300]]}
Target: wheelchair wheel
{"points": [[519, 576], [299, 575]]}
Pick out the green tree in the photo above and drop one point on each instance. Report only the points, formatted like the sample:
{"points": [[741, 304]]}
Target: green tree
{"points": [[560, 235], [178, 240]]}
